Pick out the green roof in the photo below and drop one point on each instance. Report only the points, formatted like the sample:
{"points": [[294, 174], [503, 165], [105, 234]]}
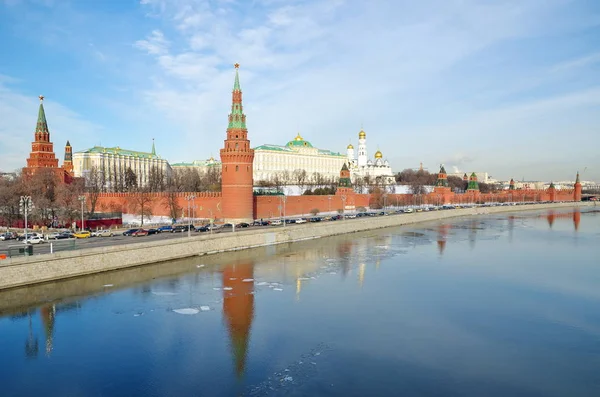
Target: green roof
{"points": [[119, 152], [287, 148], [273, 147], [198, 163], [42, 125]]}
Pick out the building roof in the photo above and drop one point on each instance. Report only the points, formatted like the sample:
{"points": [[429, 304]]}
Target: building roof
{"points": [[198, 163], [299, 141], [42, 125], [117, 151]]}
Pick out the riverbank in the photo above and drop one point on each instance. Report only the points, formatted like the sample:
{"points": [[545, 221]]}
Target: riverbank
{"points": [[17, 272]]}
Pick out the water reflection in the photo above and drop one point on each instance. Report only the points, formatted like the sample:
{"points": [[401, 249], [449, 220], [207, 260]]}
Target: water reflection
{"points": [[443, 230], [47, 313], [238, 310]]}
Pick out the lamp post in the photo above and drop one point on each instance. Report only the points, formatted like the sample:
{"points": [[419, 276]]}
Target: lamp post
{"points": [[25, 205], [283, 199], [189, 199], [82, 199]]}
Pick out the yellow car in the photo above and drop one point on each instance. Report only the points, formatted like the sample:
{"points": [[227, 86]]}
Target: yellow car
{"points": [[83, 234]]}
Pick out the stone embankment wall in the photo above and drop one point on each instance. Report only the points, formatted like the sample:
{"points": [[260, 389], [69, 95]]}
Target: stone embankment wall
{"points": [[22, 271]]}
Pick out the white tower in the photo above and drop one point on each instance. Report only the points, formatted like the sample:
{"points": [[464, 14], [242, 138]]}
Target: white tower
{"points": [[350, 154], [362, 149]]}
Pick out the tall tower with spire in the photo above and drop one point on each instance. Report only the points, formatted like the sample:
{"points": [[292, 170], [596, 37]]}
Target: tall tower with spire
{"points": [[42, 150], [362, 149], [236, 159], [68, 161], [577, 189]]}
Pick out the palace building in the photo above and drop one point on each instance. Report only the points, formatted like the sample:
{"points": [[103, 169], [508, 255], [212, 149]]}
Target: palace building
{"points": [[297, 154], [42, 155], [113, 162], [200, 165], [360, 167]]}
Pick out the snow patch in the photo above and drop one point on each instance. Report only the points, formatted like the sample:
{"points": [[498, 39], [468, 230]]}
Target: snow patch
{"points": [[187, 310]]}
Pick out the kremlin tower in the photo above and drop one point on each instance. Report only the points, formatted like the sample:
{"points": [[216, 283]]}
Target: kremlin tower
{"points": [[42, 151], [577, 189], [236, 159]]}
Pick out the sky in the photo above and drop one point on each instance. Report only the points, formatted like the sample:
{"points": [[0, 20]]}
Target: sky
{"points": [[508, 87]]}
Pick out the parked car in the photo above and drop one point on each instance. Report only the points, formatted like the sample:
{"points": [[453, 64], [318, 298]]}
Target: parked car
{"points": [[203, 228], [276, 222], [290, 221], [152, 231], [300, 220], [243, 224], [166, 228], [350, 216], [227, 226], [181, 228], [104, 233], [139, 233], [82, 234], [130, 232], [28, 236], [64, 235], [34, 240], [8, 236]]}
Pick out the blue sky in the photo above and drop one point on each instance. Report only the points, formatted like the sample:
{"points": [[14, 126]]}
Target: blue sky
{"points": [[511, 87]]}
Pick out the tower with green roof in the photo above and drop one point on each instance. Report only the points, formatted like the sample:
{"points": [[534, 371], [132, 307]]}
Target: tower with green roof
{"points": [[237, 159], [42, 149], [442, 179], [577, 189], [473, 184]]}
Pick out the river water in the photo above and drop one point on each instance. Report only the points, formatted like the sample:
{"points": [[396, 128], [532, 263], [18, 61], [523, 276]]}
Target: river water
{"points": [[502, 305]]}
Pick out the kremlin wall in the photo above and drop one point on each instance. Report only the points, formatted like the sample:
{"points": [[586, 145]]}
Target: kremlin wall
{"points": [[237, 203]]}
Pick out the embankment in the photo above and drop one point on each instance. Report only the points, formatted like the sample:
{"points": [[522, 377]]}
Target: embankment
{"points": [[16, 272]]}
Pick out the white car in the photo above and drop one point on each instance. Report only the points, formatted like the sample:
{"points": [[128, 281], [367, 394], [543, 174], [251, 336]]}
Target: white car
{"points": [[300, 220], [350, 216], [103, 233], [34, 240], [276, 222]]}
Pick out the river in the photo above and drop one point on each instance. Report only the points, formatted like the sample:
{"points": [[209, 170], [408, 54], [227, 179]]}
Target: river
{"points": [[494, 305]]}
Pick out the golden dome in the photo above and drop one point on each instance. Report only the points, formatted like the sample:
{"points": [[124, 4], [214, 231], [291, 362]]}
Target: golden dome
{"points": [[298, 138], [378, 154], [362, 134], [350, 146]]}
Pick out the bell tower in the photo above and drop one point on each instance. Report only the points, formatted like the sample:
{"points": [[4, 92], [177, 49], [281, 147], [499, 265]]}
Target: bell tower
{"points": [[236, 160]]}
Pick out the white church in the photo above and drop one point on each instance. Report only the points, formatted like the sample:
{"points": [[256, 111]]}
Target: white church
{"points": [[362, 166]]}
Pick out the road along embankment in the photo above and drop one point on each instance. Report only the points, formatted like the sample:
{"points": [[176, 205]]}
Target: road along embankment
{"points": [[16, 272]]}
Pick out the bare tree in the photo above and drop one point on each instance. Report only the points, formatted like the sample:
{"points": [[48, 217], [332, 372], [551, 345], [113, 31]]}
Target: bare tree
{"points": [[10, 191], [140, 202], [130, 180], [170, 199], [67, 197], [93, 186], [301, 178]]}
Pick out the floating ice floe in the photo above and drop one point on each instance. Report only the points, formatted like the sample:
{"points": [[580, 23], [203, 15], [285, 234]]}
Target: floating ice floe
{"points": [[248, 280], [199, 266], [216, 288], [262, 283], [138, 314], [187, 310], [277, 289], [332, 273], [204, 308], [227, 288], [162, 293], [288, 379], [303, 278], [233, 278], [107, 285]]}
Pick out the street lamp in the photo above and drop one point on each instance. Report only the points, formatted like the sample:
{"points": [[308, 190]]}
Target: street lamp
{"points": [[283, 199], [189, 199], [82, 199], [25, 205]]}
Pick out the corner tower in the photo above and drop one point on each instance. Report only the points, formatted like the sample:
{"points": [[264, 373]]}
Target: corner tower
{"points": [[237, 159]]}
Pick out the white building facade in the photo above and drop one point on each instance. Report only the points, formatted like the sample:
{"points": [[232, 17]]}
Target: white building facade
{"points": [[114, 162], [378, 169], [273, 160], [200, 165]]}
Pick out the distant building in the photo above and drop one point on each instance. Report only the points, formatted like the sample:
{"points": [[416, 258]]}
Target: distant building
{"points": [[113, 162], [297, 154], [482, 177], [199, 165]]}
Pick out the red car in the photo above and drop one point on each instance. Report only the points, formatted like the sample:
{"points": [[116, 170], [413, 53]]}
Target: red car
{"points": [[139, 233]]}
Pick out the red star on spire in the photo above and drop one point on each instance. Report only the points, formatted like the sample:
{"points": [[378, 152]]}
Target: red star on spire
{"points": [[236, 65], [41, 98]]}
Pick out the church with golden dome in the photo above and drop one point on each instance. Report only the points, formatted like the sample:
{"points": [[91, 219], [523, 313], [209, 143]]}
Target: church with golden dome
{"points": [[377, 169]]}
